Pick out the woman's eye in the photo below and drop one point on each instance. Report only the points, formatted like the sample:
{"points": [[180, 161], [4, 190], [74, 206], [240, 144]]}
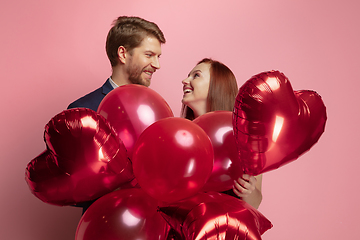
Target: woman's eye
{"points": [[196, 75]]}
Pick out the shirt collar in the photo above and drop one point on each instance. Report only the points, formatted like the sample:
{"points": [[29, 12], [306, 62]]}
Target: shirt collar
{"points": [[113, 84]]}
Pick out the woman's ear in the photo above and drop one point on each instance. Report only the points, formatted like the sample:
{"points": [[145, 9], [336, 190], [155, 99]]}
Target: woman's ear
{"points": [[122, 53]]}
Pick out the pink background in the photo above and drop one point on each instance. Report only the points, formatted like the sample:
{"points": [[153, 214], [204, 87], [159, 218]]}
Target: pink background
{"points": [[52, 52]]}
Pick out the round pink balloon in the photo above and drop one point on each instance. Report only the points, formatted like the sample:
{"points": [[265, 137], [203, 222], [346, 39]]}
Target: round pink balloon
{"points": [[126, 214], [172, 159], [274, 125], [218, 126], [130, 109], [84, 159]]}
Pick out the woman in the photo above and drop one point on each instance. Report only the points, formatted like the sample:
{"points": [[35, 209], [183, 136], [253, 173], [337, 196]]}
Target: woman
{"points": [[211, 86]]}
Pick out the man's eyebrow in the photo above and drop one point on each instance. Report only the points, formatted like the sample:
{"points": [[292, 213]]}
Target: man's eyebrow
{"points": [[152, 52]]}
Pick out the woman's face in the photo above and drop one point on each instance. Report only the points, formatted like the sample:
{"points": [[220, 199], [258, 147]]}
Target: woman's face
{"points": [[196, 88]]}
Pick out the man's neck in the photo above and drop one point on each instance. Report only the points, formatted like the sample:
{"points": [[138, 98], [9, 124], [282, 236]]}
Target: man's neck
{"points": [[119, 75]]}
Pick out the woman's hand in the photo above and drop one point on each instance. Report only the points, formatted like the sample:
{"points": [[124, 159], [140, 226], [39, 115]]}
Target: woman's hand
{"points": [[244, 186], [248, 188]]}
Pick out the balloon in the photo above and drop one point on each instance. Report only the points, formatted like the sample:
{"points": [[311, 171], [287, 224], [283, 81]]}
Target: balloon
{"points": [[215, 216], [172, 159], [274, 125], [126, 214], [83, 161], [219, 128], [130, 109]]}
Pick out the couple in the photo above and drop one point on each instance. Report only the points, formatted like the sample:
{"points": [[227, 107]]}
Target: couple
{"points": [[133, 46]]}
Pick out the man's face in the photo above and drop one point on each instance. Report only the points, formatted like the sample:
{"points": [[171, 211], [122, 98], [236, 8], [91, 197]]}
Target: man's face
{"points": [[144, 61]]}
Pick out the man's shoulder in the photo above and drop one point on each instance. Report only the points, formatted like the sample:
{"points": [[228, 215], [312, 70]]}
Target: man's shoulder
{"points": [[92, 99]]}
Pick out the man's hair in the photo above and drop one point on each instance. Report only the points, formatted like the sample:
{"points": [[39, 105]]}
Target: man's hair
{"points": [[223, 89], [129, 33]]}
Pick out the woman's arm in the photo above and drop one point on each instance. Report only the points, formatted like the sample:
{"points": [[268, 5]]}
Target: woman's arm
{"points": [[248, 188]]}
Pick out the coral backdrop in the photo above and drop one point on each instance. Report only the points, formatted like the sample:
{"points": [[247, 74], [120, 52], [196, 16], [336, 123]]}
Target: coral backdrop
{"points": [[52, 52]]}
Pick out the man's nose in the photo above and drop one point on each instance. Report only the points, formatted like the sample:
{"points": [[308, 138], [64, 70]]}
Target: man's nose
{"points": [[156, 63]]}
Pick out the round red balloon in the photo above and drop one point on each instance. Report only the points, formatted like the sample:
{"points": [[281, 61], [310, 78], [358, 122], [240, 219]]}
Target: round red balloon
{"points": [[274, 125], [126, 214], [172, 159], [84, 159], [130, 109], [227, 167]]}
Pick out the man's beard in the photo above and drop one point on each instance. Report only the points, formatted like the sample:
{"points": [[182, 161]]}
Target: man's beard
{"points": [[134, 73]]}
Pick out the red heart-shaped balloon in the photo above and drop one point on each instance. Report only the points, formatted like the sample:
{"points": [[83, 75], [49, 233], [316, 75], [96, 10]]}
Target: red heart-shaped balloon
{"points": [[84, 159], [274, 125], [215, 215]]}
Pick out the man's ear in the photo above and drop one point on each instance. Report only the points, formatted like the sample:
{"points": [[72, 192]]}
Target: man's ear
{"points": [[122, 54]]}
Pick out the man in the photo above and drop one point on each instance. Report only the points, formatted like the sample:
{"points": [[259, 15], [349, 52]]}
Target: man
{"points": [[133, 46]]}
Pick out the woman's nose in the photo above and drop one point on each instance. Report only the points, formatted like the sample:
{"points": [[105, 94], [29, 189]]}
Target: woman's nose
{"points": [[185, 81]]}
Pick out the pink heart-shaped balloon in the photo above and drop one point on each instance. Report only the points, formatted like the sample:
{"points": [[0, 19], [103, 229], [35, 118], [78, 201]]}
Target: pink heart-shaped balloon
{"points": [[84, 159], [274, 125]]}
